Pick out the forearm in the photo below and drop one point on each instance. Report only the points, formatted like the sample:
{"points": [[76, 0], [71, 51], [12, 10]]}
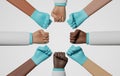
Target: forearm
{"points": [[23, 5], [95, 5], [103, 38], [94, 69], [24, 69], [15, 38]]}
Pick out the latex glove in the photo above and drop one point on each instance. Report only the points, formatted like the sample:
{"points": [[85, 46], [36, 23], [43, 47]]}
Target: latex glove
{"points": [[77, 54], [41, 18], [77, 18], [41, 54]]}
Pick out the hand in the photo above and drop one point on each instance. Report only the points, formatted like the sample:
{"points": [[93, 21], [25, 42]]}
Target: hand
{"points": [[59, 13], [60, 60], [77, 54], [77, 18], [41, 18], [78, 37], [41, 54], [40, 37]]}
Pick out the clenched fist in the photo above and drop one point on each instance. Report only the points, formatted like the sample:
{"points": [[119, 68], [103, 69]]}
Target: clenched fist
{"points": [[59, 60], [40, 37], [59, 13], [78, 37]]}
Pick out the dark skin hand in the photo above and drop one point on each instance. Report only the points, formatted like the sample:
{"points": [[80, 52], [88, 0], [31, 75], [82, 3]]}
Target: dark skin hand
{"points": [[59, 60], [78, 37]]}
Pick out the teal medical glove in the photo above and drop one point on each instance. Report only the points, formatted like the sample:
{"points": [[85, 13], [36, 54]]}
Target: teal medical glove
{"points": [[77, 54], [77, 18], [60, 2], [41, 54], [41, 18]]}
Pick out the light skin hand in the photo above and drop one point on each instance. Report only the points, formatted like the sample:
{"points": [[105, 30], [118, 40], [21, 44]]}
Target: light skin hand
{"points": [[78, 37], [59, 60], [59, 13], [40, 37]]}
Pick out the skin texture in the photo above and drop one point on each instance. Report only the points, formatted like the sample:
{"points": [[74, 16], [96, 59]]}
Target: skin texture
{"points": [[95, 5], [23, 5], [59, 13], [24, 69], [78, 37], [40, 37], [59, 60], [94, 69]]}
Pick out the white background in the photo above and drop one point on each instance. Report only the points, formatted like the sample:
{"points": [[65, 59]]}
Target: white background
{"points": [[106, 19]]}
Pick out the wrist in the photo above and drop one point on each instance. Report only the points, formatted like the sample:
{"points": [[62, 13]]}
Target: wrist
{"points": [[31, 38], [60, 2], [58, 69], [87, 38]]}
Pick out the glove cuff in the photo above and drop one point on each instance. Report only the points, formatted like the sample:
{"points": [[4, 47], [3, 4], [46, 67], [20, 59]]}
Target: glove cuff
{"points": [[87, 38], [58, 69], [60, 2]]}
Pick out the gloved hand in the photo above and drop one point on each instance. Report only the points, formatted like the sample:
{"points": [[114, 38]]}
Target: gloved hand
{"points": [[77, 18], [41, 18], [78, 37], [40, 37], [59, 60], [77, 54], [41, 54]]}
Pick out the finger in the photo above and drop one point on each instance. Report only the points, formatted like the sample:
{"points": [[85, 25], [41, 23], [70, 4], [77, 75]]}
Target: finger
{"points": [[72, 41], [76, 33], [72, 38], [60, 19], [71, 33], [46, 35], [63, 19], [42, 32], [55, 54], [45, 38], [54, 15], [46, 41], [66, 59], [55, 19]]}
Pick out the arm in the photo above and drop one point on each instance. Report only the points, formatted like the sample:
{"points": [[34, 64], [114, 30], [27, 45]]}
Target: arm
{"points": [[23, 38], [41, 18], [95, 38], [59, 11], [23, 5], [77, 18], [60, 61], [77, 55], [95, 5], [41, 54], [103, 38], [95, 69], [24, 69]]}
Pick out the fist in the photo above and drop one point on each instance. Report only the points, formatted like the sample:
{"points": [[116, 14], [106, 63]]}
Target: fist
{"points": [[59, 13], [59, 60], [40, 37], [78, 37]]}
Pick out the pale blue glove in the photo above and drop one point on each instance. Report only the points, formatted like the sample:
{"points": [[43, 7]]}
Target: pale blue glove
{"points": [[77, 54], [77, 18], [41, 54], [41, 18]]}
